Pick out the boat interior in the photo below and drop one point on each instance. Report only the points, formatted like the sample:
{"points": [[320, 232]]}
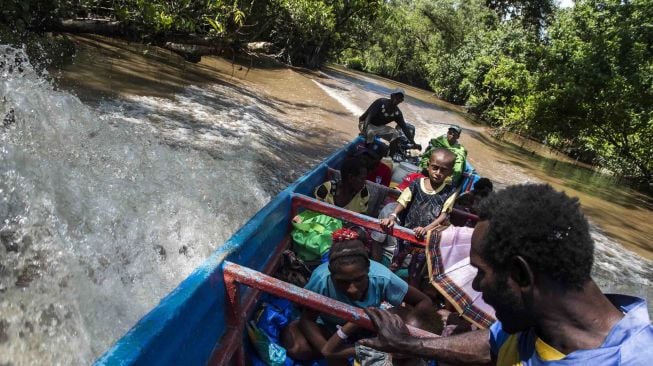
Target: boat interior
{"points": [[203, 321]]}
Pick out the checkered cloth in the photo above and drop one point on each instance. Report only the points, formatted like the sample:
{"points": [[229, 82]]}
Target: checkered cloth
{"points": [[452, 274]]}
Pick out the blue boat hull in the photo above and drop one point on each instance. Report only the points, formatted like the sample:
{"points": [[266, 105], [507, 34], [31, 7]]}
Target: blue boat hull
{"points": [[187, 324]]}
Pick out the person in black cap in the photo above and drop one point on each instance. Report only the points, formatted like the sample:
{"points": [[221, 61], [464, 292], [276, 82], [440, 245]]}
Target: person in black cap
{"points": [[470, 201], [381, 112], [449, 142]]}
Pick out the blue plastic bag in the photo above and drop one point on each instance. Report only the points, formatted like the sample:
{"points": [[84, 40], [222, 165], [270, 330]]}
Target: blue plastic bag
{"points": [[269, 352], [275, 314]]}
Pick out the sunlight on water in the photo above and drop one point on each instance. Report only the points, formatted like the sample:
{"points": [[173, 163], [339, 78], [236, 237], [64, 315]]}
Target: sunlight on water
{"points": [[105, 210]]}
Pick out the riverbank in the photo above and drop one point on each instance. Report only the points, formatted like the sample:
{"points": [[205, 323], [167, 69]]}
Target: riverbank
{"points": [[108, 68]]}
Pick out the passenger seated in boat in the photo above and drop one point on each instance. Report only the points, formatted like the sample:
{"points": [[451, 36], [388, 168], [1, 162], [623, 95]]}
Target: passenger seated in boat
{"points": [[377, 171], [470, 201], [425, 319], [534, 253], [349, 277], [449, 142], [350, 192], [382, 245], [427, 203]]}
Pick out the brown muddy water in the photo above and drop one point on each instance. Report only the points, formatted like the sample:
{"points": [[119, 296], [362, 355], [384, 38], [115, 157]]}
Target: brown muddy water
{"points": [[123, 170]]}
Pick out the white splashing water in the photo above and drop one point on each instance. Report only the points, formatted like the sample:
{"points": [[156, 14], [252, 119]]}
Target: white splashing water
{"points": [[105, 210]]}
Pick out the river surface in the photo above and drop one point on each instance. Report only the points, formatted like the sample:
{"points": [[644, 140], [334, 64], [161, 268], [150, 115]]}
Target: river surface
{"points": [[123, 171]]}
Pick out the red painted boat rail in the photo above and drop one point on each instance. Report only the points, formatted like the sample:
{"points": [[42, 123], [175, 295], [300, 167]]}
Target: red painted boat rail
{"points": [[230, 349], [400, 232], [228, 344], [235, 274]]}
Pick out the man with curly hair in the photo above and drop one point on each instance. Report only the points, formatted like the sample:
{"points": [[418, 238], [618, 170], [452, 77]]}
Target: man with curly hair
{"points": [[534, 256]]}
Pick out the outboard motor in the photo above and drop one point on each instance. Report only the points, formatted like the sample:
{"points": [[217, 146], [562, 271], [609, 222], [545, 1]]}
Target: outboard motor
{"points": [[400, 146]]}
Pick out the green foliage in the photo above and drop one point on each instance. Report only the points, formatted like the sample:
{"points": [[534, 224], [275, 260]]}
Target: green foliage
{"points": [[310, 31], [182, 16], [533, 14], [501, 75], [353, 62], [595, 87], [306, 32], [30, 14], [498, 98], [148, 16], [580, 79], [303, 28], [397, 43]]}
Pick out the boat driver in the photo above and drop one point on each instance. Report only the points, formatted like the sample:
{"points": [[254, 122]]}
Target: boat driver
{"points": [[374, 122]]}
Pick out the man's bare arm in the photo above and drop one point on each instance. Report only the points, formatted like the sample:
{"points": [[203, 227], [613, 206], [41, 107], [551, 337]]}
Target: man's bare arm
{"points": [[402, 124], [464, 349], [471, 348]]}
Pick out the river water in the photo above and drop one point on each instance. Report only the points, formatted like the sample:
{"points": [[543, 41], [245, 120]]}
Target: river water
{"points": [[122, 172]]}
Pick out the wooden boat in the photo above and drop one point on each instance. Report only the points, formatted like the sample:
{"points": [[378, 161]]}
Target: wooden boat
{"points": [[202, 320]]}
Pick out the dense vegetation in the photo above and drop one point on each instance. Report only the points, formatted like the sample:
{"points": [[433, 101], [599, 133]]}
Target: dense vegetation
{"points": [[580, 79], [304, 32]]}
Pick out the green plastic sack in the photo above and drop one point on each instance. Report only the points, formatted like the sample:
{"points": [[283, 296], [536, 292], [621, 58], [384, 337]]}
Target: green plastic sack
{"points": [[269, 352], [312, 236]]}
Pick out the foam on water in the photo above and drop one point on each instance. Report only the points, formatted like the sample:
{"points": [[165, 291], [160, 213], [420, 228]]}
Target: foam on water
{"points": [[104, 210], [343, 100], [200, 117]]}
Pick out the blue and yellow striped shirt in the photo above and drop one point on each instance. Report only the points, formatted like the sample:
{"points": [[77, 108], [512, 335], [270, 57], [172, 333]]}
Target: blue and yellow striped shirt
{"points": [[630, 342]]}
